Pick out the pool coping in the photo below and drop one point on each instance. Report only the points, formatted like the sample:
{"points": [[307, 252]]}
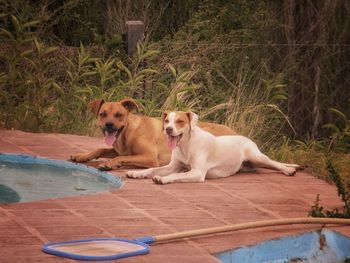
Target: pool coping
{"points": [[141, 208]]}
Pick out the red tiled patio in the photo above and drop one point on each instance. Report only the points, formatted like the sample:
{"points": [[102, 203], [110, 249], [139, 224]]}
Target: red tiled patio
{"points": [[143, 208]]}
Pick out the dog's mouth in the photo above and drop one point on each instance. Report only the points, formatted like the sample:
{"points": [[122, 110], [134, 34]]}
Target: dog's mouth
{"points": [[112, 135], [174, 141]]}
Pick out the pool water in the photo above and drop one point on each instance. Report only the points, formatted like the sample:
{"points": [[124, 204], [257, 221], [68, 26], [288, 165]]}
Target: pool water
{"points": [[313, 247], [27, 178]]}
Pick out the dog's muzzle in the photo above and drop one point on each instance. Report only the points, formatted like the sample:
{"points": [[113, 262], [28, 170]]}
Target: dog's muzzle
{"points": [[173, 140], [111, 133], [169, 130]]}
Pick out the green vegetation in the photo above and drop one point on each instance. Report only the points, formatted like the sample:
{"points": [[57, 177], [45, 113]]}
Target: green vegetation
{"points": [[276, 72], [343, 187]]}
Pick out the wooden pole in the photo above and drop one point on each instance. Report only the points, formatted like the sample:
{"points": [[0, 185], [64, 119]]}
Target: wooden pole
{"points": [[275, 222], [135, 32]]}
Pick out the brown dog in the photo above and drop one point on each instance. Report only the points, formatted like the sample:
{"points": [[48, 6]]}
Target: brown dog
{"points": [[138, 141]]}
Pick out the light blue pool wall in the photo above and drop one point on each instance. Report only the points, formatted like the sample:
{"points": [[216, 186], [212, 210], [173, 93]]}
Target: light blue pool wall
{"points": [[304, 246], [31, 159], [26, 178]]}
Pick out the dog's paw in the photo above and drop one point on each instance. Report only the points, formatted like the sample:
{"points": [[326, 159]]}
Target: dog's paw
{"points": [[78, 158], [104, 167], [73, 158], [135, 175], [157, 179], [289, 171]]}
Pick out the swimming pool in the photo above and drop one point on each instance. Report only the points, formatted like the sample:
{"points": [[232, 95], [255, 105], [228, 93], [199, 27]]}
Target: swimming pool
{"points": [[324, 246], [25, 178]]}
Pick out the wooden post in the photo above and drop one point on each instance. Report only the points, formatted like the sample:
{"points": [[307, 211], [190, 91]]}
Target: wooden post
{"points": [[135, 32]]}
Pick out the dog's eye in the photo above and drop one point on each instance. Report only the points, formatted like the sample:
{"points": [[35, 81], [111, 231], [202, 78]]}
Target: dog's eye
{"points": [[179, 121], [118, 115], [103, 114], [166, 121]]}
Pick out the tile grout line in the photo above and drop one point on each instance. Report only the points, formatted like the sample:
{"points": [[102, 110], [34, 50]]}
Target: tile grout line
{"points": [[258, 207], [68, 143], [142, 211], [172, 229], [82, 217], [286, 190], [197, 207], [25, 225], [204, 211], [19, 146], [30, 229]]}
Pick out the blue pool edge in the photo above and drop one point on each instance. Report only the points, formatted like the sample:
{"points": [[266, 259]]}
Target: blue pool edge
{"points": [[33, 159]]}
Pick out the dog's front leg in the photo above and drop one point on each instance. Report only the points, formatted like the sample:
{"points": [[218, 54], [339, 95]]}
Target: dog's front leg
{"points": [[170, 168], [137, 161], [192, 176], [99, 153]]}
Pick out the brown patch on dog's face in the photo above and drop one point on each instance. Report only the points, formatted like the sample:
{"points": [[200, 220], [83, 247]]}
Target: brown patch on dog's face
{"points": [[181, 120]]}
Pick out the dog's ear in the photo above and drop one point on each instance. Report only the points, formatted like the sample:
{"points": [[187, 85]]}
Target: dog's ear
{"points": [[193, 118], [95, 105], [165, 114], [129, 104]]}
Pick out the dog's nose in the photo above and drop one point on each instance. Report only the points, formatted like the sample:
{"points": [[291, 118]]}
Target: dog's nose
{"points": [[169, 130], [109, 126]]}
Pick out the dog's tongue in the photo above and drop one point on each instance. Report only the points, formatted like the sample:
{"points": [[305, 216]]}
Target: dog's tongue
{"points": [[110, 138], [172, 142]]}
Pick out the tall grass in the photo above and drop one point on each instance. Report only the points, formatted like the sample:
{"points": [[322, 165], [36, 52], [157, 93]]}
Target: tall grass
{"points": [[46, 101], [48, 88], [253, 106], [25, 82]]}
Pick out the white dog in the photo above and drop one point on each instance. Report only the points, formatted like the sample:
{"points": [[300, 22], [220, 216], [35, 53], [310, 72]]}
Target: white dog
{"points": [[197, 154]]}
